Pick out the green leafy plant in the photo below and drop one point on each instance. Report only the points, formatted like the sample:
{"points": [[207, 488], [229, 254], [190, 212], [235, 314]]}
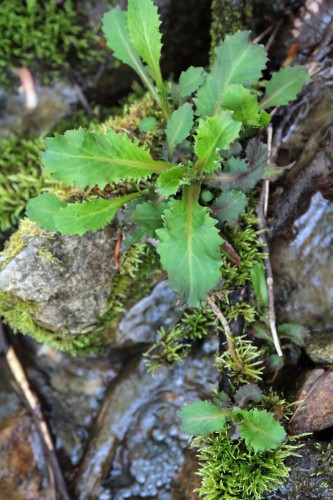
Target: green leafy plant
{"points": [[258, 428], [199, 131]]}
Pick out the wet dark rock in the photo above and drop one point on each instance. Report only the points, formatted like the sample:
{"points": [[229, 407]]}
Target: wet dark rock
{"points": [[67, 278], [315, 410], [303, 269], [141, 323], [320, 347]]}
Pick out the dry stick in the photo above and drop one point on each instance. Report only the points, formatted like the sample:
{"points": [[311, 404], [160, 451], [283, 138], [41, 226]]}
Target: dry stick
{"points": [[226, 327], [16, 368]]}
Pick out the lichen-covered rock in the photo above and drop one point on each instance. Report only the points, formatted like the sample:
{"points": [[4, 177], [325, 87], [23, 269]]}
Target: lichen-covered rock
{"points": [[320, 347]]}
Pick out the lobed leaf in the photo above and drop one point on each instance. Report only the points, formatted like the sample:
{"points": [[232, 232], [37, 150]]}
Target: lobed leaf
{"points": [[179, 126], [190, 250], [229, 205], [92, 158], [202, 418], [245, 106], [143, 26], [74, 218], [296, 333], [148, 216], [259, 283], [246, 393], [189, 81], [169, 181], [284, 86], [261, 431], [237, 61], [215, 133]]}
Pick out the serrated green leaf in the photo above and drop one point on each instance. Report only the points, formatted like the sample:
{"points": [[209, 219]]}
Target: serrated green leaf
{"points": [[259, 283], [296, 333], [92, 158], [147, 124], [246, 393], [42, 209], [237, 61], [190, 250], [74, 218], [202, 418], [143, 26], [148, 216], [243, 103], [261, 431], [169, 181], [215, 133], [239, 173], [179, 126], [284, 86], [116, 34], [189, 81], [229, 205]]}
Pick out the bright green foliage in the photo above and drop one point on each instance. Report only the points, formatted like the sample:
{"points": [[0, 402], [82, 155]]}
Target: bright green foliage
{"points": [[217, 132], [229, 205], [143, 26], [170, 180], [179, 126], [189, 81], [284, 86], [237, 61], [147, 124], [190, 245], [93, 158], [261, 431], [232, 470], [243, 103], [190, 250], [202, 418], [259, 284], [148, 216]]}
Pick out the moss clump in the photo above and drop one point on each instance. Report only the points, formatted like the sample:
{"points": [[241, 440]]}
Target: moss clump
{"points": [[228, 16], [232, 470], [50, 33]]}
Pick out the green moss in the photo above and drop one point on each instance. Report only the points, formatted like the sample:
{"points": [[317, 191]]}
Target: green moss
{"points": [[232, 470], [52, 34], [228, 16]]}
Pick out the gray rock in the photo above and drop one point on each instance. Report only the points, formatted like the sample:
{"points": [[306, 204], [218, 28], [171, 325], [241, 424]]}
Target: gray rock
{"points": [[68, 278], [320, 347], [141, 323]]}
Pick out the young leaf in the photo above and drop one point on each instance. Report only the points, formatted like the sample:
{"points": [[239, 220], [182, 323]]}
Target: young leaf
{"points": [[217, 132], [179, 126], [238, 174], [148, 216], [202, 418], [169, 181], [147, 124], [284, 86], [189, 81], [261, 431], [237, 61], [229, 205], [190, 250], [246, 393], [42, 209], [296, 333], [261, 331], [143, 26], [116, 34], [259, 284], [93, 158], [243, 103], [75, 218]]}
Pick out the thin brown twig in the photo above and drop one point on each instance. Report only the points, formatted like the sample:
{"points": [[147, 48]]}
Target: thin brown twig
{"points": [[31, 399], [225, 324]]}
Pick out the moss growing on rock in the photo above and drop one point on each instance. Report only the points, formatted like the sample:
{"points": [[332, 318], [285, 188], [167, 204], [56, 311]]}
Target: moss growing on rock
{"points": [[48, 33]]}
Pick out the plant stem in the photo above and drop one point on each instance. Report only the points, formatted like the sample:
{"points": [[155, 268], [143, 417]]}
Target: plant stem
{"points": [[226, 327]]}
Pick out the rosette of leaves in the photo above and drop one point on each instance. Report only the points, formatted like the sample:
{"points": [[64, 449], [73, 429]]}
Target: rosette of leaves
{"points": [[205, 114]]}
